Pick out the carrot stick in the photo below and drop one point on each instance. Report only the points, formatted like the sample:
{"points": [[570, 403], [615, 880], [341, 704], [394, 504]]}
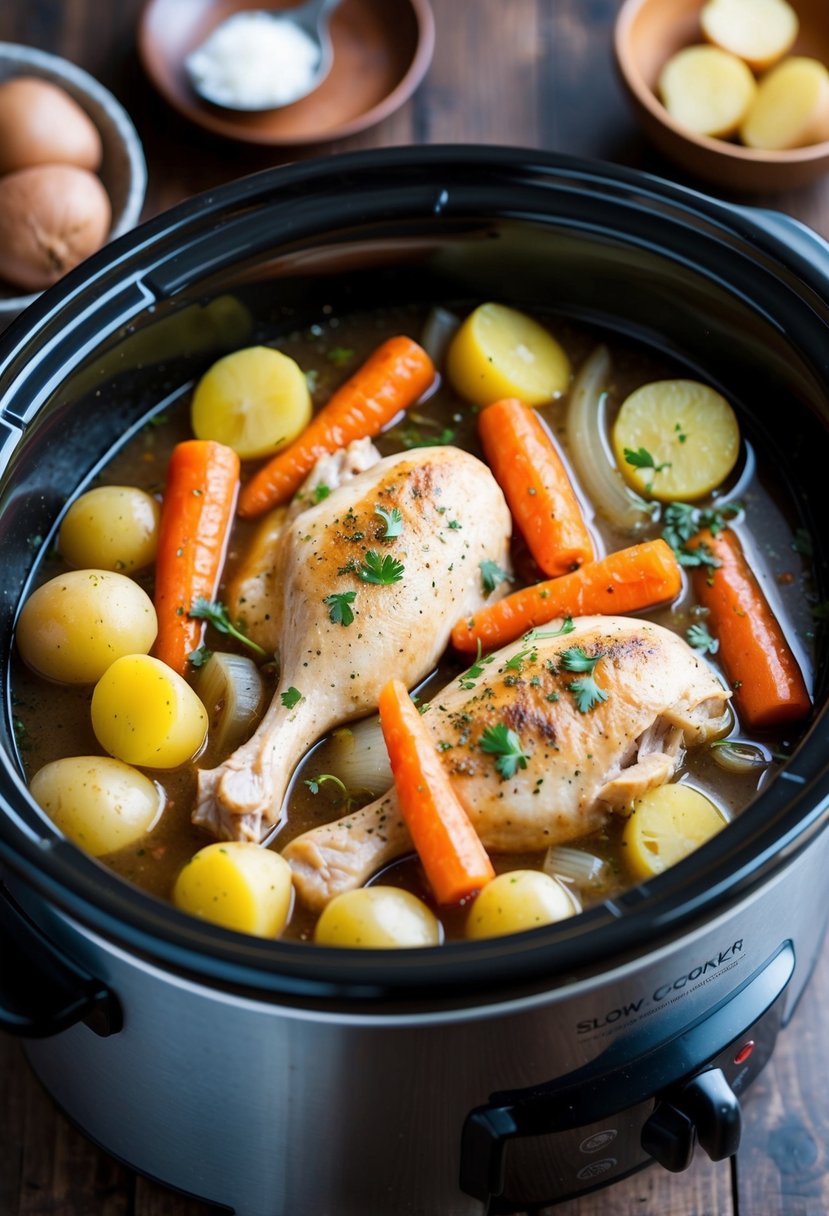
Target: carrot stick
{"points": [[196, 514], [626, 581], [528, 468], [390, 380], [450, 851], [769, 689]]}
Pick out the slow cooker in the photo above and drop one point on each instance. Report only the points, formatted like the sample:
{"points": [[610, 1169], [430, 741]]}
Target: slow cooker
{"points": [[270, 1077]]}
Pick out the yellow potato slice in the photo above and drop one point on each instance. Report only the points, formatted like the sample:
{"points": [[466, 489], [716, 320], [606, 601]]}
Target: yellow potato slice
{"points": [[145, 713], [706, 90], [499, 352], [666, 825], [791, 109], [255, 401], [759, 31], [518, 900], [675, 440], [239, 885]]}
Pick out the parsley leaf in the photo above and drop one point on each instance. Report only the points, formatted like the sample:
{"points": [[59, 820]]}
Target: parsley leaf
{"points": [[383, 571], [682, 521], [198, 658], [321, 491], [699, 637], [492, 575], [641, 458], [314, 783], [290, 697], [516, 662], [216, 613], [504, 744], [393, 521], [587, 692], [339, 607], [539, 635]]}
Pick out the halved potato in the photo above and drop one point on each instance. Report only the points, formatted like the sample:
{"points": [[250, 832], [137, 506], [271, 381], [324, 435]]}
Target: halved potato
{"points": [[759, 31], [255, 400], [675, 440], [667, 824], [791, 109], [499, 352], [706, 90], [237, 884]]}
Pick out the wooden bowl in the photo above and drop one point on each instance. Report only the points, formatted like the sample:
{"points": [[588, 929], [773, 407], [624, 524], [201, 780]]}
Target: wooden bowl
{"points": [[647, 33], [382, 50], [123, 168]]}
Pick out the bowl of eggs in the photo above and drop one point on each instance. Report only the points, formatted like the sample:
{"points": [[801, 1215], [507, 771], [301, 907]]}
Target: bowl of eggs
{"points": [[736, 92], [72, 172]]}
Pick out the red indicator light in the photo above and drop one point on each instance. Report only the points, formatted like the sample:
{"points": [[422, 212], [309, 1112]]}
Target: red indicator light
{"points": [[744, 1052]]}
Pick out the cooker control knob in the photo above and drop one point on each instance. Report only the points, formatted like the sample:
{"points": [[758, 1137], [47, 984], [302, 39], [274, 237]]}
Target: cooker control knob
{"points": [[703, 1109]]}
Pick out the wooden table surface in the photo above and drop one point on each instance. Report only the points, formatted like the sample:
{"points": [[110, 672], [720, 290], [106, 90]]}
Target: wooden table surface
{"points": [[535, 73]]}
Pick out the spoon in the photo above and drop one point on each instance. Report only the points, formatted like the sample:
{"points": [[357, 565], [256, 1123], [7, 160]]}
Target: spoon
{"points": [[263, 59]]}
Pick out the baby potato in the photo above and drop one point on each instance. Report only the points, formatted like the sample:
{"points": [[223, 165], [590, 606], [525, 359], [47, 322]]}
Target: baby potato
{"points": [[145, 713], [518, 900], [498, 352], [71, 628], [255, 400], [377, 917], [100, 803], [239, 885], [111, 528], [667, 824]]}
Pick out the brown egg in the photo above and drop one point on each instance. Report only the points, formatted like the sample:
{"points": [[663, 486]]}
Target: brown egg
{"points": [[40, 124], [51, 218]]}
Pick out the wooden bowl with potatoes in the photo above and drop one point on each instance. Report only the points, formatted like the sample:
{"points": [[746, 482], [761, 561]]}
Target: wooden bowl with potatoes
{"points": [[736, 92], [72, 172]]}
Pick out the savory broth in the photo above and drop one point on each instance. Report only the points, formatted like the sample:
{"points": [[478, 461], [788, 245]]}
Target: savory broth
{"points": [[53, 720]]}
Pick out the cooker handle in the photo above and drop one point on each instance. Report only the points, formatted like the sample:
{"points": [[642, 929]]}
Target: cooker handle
{"points": [[682, 1080], [41, 991]]}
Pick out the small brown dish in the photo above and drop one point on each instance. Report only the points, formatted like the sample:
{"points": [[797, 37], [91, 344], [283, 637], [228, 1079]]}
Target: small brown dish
{"points": [[647, 33], [382, 50]]}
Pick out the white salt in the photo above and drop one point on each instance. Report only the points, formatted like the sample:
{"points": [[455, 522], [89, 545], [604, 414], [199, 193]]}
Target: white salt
{"points": [[254, 61]]}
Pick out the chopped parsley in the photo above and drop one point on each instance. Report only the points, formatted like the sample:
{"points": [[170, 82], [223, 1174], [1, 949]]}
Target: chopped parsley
{"points": [[321, 491], [641, 458], [587, 692], [467, 680], [314, 783], [338, 355], [410, 437], [290, 697], [393, 521], [683, 521], [216, 613], [198, 658], [699, 637], [539, 635], [339, 607], [492, 575], [504, 744], [381, 570], [516, 662]]}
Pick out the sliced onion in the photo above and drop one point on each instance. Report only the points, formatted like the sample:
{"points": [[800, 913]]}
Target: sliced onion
{"points": [[233, 693], [359, 758], [589, 450], [575, 865], [438, 331], [736, 756]]}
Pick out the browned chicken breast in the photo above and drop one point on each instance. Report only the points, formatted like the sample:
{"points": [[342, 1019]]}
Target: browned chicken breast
{"points": [[542, 739], [364, 586]]}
